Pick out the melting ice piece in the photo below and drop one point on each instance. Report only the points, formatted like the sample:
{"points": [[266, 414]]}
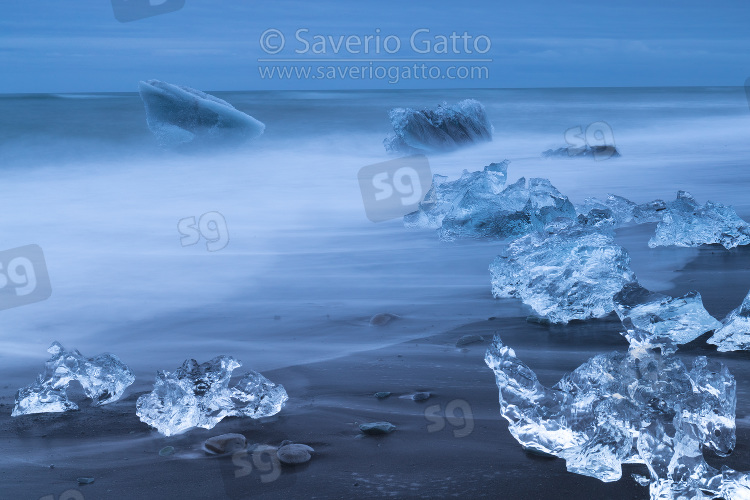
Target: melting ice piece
{"points": [[443, 129], [734, 333], [517, 210], [104, 378], [687, 224], [617, 211], [198, 395], [680, 320], [599, 416], [180, 115], [443, 194], [598, 152], [565, 272]]}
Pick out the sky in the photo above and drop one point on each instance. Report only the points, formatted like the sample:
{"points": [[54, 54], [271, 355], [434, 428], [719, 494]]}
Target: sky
{"points": [[66, 46]]}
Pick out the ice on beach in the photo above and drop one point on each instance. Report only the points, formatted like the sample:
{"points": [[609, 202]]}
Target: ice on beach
{"points": [[443, 129], [680, 319], [622, 407], [597, 152], [104, 378], [179, 115], [734, 333], [685, 223], [616, 211], [198, 395], [563, 273], [444, 194]]}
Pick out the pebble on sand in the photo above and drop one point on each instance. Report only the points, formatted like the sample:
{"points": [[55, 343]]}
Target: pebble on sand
{"points": [[382, 394], [292, 454], [85, 480], [469, 339], [225, 443], [421, 396], [377, 428], [382, 319]]}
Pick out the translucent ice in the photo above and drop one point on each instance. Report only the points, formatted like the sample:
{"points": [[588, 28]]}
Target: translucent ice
{"points": [[565, 272], [679, 319], [443, 194], [443, 129], [685, 223], [198, 395], [616, 211], [180, 115], [104, 378], [734, 333], [608, 411]]}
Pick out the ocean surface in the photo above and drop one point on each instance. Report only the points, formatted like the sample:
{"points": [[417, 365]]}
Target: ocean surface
{"points": [[304, 269]]}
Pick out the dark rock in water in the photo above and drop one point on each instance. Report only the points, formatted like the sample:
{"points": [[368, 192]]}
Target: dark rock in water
{"points": [[85, 480], [382, 319], [292, 454], [421, 396], [539, 320], [382, 395], [597, 152], [443, 129], [377, 428], [469, 339], [167, 451], [225, 443]]}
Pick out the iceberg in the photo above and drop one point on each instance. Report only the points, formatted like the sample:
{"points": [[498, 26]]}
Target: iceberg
{"points": [[685, 223], [444, 194], [563, 273], [734, 333], [104, 378], [443, 129], [180, 116], [680, 320], [615, 408], [198, 395]]}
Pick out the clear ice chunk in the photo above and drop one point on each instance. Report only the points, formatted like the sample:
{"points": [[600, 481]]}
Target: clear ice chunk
{"points": [[619, 210], [198, 395], [179, 115], [622, 408], [517, 210], [443, 129], [685, 223], [444, 194], [563, 273], [680, 319], [104, 378], [734, 333]]}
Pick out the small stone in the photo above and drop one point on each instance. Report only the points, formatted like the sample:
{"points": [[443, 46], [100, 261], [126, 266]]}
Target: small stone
{"points": [[491, 318], [167, 451], [377, 428], [293, 454], [421, 396], [382, 395], [469, 339], [225, 443], [85, 480], [382, 319], [52, 466]]}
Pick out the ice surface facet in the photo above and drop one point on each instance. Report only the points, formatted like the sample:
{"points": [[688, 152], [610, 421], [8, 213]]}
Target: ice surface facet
{"points": [[443, 194], [614, 408], [685, 223], [680, 320], [198, 395], [104, 378], [180, 115], [443, 129], [565, 272], [734, 333]]}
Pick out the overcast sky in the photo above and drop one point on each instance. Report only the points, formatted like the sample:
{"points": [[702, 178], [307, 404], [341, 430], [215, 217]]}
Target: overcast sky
{"points": [[79, 45]]}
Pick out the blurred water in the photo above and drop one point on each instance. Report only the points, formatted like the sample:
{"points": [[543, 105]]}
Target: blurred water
{"points": [[304, 269]]}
